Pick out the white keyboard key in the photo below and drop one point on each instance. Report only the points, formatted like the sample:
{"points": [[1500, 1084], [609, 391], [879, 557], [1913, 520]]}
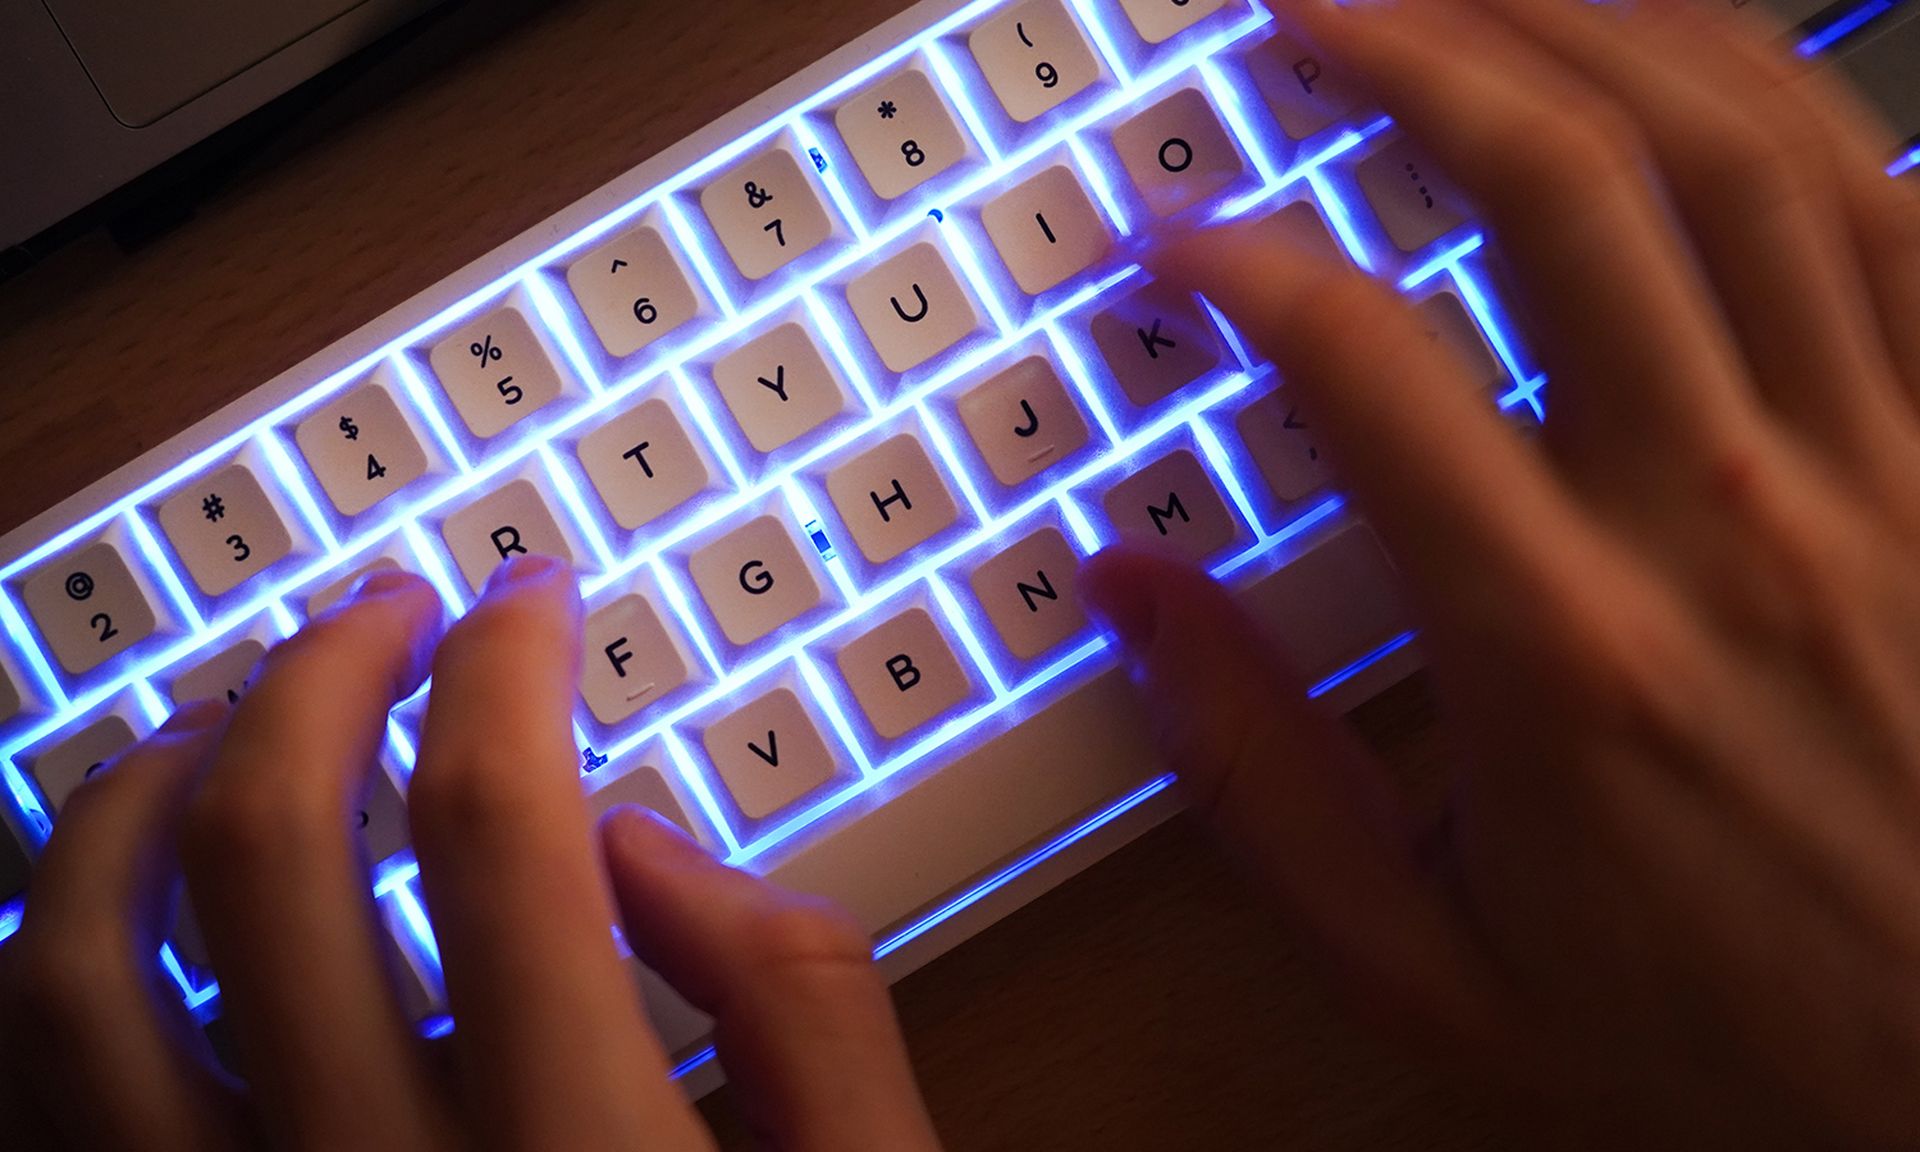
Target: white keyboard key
{"points": [[381, 819], [1030, 592], [1177, 152], [901, 133], [12, 700], [1047, 229], [334, 591], [891, 497], [1305, 93], [645, 785], [1333, 605], [1414, 202], [1161, 20], [1022, 420], [1172, 504], [766, 212], [643, 464], [225, 528], [88, 606], [912, 306], [62, 767], [1034, 57], [511, 521], [1156, 341], [361, 448], [629, 659], [755, 579], [221, 676], [903, 673], [633, 290], [1284, 447], [779, 386], [769, 753], [1450, 326], [495, 370], [678, 1024]]}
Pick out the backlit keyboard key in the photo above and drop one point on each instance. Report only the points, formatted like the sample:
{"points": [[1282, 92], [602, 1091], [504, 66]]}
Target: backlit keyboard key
{"points": [[1030, 593], [88, 605], [1173, 504], [643, 463], [1178, 153], [779, 386], [1305, 93], [629, 659], [1160, 20], [1156, 341], [514, 520], [912, 306], [361, 448], [633, 290], [495, 370], [766, 212], [1034, 57], [643, 785], [891, 497], [1334, 604], [1414, 202], [225, 528], [59, 768], [901, 133], [12, 700], [903, 673], [224, 675], [769, 753], [1451, 327], [1284, 447], [755, 579], [1047, 229], [1022, 421]]}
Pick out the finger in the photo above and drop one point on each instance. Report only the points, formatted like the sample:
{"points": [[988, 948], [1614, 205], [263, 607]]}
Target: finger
{"points": [[1292, 791], [1643, 366], [114, 1060], [1474, 517], [282, 891], [801, 1017], [552, 1043], [1737, 158], [1848, 140]]}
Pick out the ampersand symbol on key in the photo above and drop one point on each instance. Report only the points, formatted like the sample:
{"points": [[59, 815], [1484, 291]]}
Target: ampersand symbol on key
{"points": [[755, 197]]}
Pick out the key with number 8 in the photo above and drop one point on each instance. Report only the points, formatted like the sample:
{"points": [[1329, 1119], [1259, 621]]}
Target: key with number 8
{"points": [[901, 133]]}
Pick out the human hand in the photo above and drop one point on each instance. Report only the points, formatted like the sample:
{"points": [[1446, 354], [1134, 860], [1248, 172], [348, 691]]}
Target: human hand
{"points": [[1678, 643], [551, 1047]]}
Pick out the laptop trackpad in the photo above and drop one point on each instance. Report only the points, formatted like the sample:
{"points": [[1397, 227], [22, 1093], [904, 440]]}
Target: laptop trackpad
{"points": [[148, 57]]}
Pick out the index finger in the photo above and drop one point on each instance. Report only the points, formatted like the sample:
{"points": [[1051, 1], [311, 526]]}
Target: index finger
{"points": [[554, 1049]]}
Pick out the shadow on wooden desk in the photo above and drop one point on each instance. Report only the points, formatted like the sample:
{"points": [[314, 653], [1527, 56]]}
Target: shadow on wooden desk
{"points": [[1152, 1003]]}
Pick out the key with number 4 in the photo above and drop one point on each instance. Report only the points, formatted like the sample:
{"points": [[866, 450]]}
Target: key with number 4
{"points": [[361, 448]]}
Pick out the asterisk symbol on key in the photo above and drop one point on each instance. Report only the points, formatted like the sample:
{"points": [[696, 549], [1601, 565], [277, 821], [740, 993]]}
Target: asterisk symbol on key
{"points": [[887, 110]]}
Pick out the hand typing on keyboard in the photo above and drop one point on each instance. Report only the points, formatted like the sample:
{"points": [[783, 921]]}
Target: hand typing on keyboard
{"points": [[553, 1050], [1679, 876], [827, 478]]}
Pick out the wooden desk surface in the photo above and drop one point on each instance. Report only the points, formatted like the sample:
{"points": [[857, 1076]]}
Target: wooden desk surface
{"points": [[1153, 1003]]}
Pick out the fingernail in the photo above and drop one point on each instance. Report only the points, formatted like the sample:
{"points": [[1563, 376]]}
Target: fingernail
{"points": [[528, 569], [197, 716], [1118, 595], [380, 583]]}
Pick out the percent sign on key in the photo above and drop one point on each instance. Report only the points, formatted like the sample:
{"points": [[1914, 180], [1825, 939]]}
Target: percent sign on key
{"points": [[484, 350]]}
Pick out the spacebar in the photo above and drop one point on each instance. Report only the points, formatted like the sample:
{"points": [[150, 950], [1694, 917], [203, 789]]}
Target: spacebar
{"points": [[900, 849]]}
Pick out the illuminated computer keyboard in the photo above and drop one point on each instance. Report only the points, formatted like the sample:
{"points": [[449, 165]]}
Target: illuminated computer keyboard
{"points": [[826, 405]]}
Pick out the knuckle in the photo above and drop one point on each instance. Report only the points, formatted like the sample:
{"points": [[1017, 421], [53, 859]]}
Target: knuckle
{"points": [[803, 941], [512, 624], [473, 794], [1574, 151], [1745, 161]]}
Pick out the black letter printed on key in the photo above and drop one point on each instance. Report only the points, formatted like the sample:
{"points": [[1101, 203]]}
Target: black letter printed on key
{"points": [[506, 541]]}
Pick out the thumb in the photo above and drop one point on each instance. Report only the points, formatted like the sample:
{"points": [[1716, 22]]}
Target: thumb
{"points": [[1292, 791]]}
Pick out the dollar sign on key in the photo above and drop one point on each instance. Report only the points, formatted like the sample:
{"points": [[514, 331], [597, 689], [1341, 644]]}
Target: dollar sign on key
{"points": [[349, 428]]}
